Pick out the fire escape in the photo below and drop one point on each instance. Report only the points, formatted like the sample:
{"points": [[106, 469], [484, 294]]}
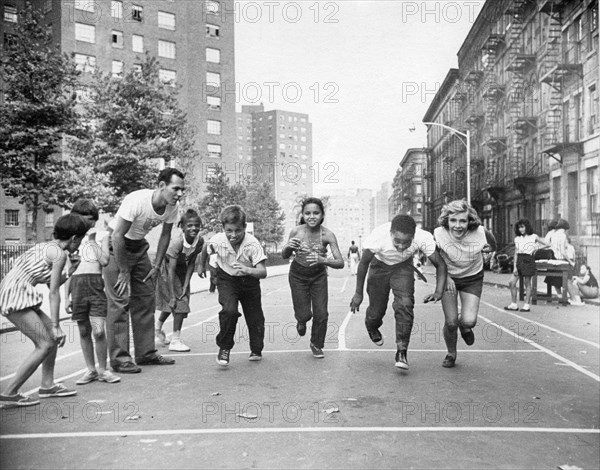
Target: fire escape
{"points": [[559, 63]]}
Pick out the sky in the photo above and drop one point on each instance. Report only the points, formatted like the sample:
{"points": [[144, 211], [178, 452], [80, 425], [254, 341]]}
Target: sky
{"points": [[364, 72]]}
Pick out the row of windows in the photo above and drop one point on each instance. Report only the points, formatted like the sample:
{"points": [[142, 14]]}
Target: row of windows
{"points": [[270, 117], [11, 218]]}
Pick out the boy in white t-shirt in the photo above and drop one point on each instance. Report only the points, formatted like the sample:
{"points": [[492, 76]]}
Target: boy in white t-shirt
{"points": [[388, 257], [130, 278]]}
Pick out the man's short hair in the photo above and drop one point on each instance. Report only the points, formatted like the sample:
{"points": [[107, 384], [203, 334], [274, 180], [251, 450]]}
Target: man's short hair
{"points": [[167, 173], [233, 214], [85, 207], [404, 224]]}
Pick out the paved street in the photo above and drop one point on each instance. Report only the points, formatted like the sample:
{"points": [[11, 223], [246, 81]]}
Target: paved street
{"points": [[525, 395]]}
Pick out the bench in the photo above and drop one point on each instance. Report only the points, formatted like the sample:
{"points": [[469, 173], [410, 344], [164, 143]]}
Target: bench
{"points": [[550, 269]]}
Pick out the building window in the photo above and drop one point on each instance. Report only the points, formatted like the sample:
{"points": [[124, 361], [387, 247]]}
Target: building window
{"points": [[592, 191], [85, 63], [212, 30], [10, 13], [11, 218], [85, 5], [137, 13], [418, 189], [213, 79], [49, 219], [593, 111], [166, 20], [166, 49], [117, 68], [214, 103], [213, 127], [116, 10], [214, 150], [212, 6], [117, 39], [168, 77], [137, 43], [213, 55], [85, 33]]}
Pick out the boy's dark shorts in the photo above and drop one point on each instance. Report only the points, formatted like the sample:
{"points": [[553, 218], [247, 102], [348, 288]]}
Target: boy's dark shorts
{"points": [[470, 284], [88, 297]]}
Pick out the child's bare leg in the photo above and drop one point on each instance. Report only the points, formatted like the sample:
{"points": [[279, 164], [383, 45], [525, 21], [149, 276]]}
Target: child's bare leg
{"points": [[87, 345], [177, 324], [29, 322], [450, 308], [527, 282], [50, 359], [512, 285], [99, 334]]}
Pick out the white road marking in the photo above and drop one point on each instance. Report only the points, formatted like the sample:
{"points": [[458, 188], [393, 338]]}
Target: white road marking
{"points": [[342, 333], [344, 285], [290, 430], [556, 330], [412, 351], [546, 350]]}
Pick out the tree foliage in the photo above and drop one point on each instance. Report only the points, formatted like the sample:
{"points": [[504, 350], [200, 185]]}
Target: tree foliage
{"points": [[37, 112]]}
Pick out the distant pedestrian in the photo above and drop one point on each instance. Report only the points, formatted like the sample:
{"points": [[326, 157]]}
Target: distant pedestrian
{"points": [[130, 277], [388, 257], [461, 239], [173, 283], [240, 266], [20, 303], [584, 286], [308, 271], [88, 300], [526, 244], [353, 258]]}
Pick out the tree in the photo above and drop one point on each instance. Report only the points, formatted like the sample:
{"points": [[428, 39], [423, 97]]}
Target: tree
{"points": [[134, 122], [219, 194], [37, 111], [263, 209]]}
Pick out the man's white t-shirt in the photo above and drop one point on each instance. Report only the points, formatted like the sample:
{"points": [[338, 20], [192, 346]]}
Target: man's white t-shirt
{"points": [[137, 209], [380, 243]]}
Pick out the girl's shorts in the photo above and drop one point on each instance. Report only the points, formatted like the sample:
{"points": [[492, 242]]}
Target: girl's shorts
{"points": [[526, 265], [470, 284]]}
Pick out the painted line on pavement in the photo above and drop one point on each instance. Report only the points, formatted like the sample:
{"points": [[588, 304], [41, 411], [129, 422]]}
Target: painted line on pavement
{"points": [[345, 284], [342, 333], [591, 343], [336, 429], [547, 351]]}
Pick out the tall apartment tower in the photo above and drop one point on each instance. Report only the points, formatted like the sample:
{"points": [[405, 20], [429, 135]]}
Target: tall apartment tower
{"points": [[276, 146], [192, 40]]}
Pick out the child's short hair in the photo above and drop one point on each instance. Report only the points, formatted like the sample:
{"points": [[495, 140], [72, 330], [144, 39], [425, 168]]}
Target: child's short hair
{"points": [[525, 223], [404, 224], [455, 207], [85, 207], [233, 214], [166, 174], [69, 225], [189, 214], [552, 224], [562, 223]]}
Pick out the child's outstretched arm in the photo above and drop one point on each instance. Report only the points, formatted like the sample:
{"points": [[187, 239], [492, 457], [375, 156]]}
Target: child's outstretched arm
{"points": [[441, 275], [361, 274], [56, 279]]}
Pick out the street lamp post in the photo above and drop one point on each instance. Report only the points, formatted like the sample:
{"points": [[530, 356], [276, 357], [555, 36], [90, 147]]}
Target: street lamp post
{"points": [[467, 136]]}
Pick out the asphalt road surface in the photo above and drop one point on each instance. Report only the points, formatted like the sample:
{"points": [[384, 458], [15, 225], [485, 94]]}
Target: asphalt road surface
{"points": [[525, 395]]}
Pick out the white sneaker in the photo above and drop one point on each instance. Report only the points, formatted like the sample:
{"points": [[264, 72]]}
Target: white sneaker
{"points": [[178, 345], [576, 303], [108, 377]]}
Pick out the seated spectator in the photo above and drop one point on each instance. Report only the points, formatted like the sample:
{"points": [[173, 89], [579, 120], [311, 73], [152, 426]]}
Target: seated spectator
{"points": [[583, 287]]}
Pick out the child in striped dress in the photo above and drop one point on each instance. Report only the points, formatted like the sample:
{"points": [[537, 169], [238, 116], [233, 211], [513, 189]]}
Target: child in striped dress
{"points": [[20, 302]]}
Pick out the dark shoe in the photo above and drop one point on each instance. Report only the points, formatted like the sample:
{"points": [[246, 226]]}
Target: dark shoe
{"points": [[468, 337], [301, 327], [401, 360], [449, 361], [255, 357], [317, 352], [127, 368], [156, 360], [375, 336], [223, 357]]}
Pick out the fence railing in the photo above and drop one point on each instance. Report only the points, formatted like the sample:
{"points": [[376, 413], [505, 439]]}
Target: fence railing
{"points": [[8, 253]]}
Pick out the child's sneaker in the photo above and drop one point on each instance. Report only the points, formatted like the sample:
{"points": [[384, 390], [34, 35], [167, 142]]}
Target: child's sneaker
{"points": [[10, 401], [255, 357], [317, 352], [108, 377], [178, 345], [88, 377], [223, 357], [57, 390], [160, 337]]}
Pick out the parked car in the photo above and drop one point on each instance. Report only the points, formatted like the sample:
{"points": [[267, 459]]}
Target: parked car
{"points": [[504, 259]]}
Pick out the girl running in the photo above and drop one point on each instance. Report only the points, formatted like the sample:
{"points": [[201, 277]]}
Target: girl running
{"points": [[308, 272], [461, 239], [20, 302], [173, 289], [524, 262]]}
